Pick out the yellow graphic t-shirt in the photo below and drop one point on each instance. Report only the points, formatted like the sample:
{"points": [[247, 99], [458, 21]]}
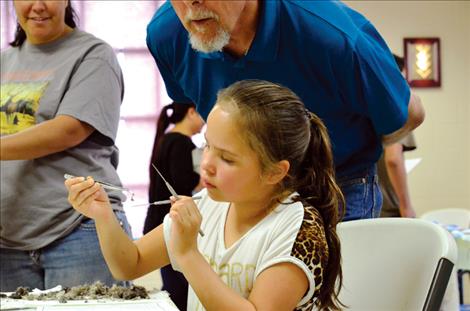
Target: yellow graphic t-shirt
{"points": [[18, 105]]}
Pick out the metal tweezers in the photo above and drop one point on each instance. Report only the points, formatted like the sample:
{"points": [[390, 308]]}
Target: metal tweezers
{"points": [[107, 186], [172, 191]]}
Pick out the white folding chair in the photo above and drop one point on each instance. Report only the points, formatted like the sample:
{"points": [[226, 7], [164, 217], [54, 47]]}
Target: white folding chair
{"points": [[395, 264], [449, 216]]}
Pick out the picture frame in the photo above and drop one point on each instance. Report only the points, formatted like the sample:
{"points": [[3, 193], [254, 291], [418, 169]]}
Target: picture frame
{"points": [[422, 62]]}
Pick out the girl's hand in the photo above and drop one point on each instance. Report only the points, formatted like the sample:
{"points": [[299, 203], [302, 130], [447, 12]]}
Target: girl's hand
{"points": [[184, 230], [88, 197]]}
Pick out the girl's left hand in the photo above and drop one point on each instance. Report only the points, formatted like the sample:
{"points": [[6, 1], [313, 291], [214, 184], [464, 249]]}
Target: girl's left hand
{"points": [[186, 222], [88, 197]]}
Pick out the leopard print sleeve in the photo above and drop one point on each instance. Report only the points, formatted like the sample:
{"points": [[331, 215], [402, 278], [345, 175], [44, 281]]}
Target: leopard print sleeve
{"points": [[311, 247]]}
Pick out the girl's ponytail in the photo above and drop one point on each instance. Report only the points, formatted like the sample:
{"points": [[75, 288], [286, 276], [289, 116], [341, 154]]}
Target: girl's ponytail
{"points": [[318, 188]]}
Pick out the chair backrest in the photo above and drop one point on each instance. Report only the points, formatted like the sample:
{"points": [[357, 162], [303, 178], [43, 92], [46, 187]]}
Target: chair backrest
{"points": [[449, 216], [395, 264]]}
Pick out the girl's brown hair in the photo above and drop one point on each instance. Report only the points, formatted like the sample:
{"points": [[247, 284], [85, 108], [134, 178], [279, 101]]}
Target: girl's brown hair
{"points": [[277, 126]]}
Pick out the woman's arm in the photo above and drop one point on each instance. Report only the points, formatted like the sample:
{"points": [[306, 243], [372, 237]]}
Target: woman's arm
{"points": [[126, 260], [45, 138]]}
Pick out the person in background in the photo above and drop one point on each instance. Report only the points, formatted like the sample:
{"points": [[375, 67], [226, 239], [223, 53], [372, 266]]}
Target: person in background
{"points": [[172, 155], [61, 91], [393, 180], [392, 173], [327, 53], [269, 211]]}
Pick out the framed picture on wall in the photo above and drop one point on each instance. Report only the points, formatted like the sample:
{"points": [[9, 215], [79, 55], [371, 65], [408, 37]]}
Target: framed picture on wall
{"points": [[423, 62]]}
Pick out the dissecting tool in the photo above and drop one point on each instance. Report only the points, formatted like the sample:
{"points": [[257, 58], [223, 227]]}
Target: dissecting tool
{"points": [[172, 191]]}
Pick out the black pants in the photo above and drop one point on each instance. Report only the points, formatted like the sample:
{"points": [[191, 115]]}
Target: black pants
{"points": [[174, 282]]}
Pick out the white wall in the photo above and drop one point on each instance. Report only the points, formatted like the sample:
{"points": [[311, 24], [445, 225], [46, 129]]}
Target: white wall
{"points": [[442, 179]]}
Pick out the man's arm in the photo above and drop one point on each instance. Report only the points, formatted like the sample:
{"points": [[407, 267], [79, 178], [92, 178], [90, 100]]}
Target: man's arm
{"points": [[415, 118], [396, 171]]}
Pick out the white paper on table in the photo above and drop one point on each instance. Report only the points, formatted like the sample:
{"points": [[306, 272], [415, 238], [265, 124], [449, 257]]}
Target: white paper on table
{"points": [[159, 301], [410, 164]]}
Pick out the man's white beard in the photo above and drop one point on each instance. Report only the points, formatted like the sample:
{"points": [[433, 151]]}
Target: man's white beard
{"points": [[216, 44]]}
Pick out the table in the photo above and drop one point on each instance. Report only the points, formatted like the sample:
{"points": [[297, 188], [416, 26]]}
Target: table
{"points": [[159, 301], [462, 238]]}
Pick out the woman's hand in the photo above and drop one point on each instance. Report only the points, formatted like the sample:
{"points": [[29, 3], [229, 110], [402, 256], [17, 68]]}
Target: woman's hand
{"points": [[184, 230], [88, 197]]}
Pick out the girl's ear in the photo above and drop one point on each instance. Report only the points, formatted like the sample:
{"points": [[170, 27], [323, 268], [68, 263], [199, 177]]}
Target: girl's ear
{"points": [[278, 172]]}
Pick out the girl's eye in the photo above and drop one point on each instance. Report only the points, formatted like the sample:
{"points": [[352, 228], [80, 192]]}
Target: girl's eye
{"points": [[228, 161]]}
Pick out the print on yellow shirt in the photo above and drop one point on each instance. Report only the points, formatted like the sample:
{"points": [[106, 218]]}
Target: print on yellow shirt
{"points": [[18, 105]]}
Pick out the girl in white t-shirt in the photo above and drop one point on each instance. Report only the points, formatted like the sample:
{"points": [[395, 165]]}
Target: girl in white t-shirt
{"points": [[269, 211]]}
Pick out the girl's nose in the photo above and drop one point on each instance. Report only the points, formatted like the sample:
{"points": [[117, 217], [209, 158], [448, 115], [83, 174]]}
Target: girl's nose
{"points": [[206, 163]]}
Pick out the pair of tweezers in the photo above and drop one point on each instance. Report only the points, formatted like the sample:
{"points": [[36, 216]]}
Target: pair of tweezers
{"points": [[107, 186], [163, 202], [172, 191]]}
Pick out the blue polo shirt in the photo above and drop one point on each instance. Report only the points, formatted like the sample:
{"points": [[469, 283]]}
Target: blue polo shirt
{"points": [[328, 54]]}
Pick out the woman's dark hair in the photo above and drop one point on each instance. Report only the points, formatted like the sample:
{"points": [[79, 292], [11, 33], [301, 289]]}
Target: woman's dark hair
{"points": [[277, 126], [170, 114], [20, 35]]}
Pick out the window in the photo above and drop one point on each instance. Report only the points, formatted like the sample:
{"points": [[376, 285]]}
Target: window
{"points": [[7, 23], [123, 24]]}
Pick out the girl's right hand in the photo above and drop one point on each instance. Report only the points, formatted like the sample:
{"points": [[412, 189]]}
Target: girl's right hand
{"points": [[184, 229], [88, 197]]}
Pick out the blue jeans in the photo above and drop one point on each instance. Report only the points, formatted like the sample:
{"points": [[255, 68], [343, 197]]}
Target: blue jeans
{"points": [[362, 195], [73, 260]]}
